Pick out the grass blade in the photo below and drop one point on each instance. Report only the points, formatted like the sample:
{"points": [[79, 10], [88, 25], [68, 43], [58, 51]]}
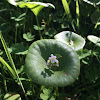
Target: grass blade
{"points": [[8, 67], [6, 50], [67, 9], [77, 13], [11, 62]]}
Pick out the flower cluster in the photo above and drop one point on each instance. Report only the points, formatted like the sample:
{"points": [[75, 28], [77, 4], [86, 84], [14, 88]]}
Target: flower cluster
{"points": [[52, 61]]}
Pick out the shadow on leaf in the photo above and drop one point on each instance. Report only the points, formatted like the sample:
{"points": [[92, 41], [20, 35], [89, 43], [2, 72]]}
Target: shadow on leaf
{"points": [[46, 73]]}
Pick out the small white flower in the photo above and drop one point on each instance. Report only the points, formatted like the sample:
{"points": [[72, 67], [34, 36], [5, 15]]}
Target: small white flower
{"points": [[71, 42]]}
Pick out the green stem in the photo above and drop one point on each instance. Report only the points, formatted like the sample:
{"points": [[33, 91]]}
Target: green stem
{"points": [[12, 63], [56, 91], [98, 94], [25, 19], [5, 85], [4, 81], [38, 27], [92, 52], [42, 87], [96, 25], [97, 58], [16, 33], [77, 14], [81, 51]]}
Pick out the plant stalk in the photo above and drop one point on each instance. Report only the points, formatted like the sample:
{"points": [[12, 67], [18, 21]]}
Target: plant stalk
{"points": [[4, 81], [77, 14], [16, 33], [38, 27]]}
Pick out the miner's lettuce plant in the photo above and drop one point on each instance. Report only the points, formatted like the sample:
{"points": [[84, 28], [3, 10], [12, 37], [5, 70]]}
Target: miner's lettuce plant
{"points": [[72, 39], [37, 62]]}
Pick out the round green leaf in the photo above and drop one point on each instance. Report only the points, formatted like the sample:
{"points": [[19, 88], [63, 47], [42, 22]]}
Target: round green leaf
{"points": [[68, 36], [28, 36], [44, 97], [94, 39], [47, 91], [36, 63]]}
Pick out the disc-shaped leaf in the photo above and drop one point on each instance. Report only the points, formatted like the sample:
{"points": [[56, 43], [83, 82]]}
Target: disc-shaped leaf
{"points": [[92, 2], [94, 39], [35, 7], [72, 39], [36, 63]]}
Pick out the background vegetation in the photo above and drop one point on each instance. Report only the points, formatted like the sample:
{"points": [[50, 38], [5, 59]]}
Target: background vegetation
{"points": [[19, 30]]}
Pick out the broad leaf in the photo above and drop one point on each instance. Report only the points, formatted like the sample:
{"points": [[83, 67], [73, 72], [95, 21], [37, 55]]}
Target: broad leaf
{"points": [[35, 7], [44, 97], [47, 91], [12, 96], [28, 36], [36, 27], [36, 63], [67, 37], [13, 2], [92, 2], [52, 98], [84, 54], [94, 39], [19, 49], [19, 18]]}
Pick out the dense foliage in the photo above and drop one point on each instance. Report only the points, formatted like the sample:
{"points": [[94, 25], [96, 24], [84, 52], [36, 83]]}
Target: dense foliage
{"points": [[20, 26]]}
